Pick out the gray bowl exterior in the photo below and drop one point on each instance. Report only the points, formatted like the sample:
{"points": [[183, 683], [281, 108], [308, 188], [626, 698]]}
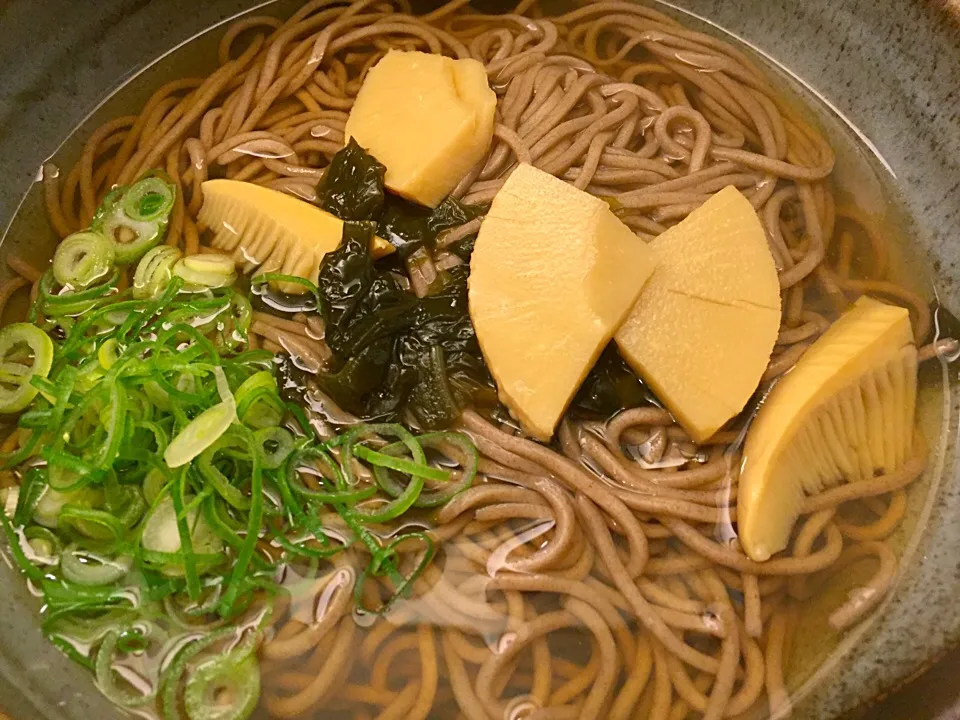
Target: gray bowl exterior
{"points": [[891, 66]]}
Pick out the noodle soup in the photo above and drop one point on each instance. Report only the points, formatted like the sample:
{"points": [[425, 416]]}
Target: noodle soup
{"points": [[296, 480]]}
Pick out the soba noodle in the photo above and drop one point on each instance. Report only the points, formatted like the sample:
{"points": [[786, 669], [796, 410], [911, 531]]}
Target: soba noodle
{"points": [[600, 577]]}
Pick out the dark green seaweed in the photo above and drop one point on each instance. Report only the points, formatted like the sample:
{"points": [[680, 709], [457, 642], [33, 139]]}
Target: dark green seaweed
{"points": [[395, 351], [611, 386], [404, 225], [352, 188]]}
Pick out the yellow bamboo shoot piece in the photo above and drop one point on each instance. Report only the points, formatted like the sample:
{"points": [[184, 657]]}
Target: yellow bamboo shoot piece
{"points": [[844, 413], [703, 329], [428, 118], [272, 231], [553, 274]]}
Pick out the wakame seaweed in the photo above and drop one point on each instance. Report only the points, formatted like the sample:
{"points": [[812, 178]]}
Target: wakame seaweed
{"points": [[611, 386], [395, 352], [353, 189], [346, 276], [408, 227]]}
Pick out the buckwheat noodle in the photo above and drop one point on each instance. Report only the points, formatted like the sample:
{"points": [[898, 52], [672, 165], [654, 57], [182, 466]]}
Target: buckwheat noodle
{"points": [[577, 581]]}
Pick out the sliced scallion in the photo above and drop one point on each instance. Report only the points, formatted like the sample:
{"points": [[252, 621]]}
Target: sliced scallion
{"points": [[149, 199], [154, 271], [25, 351], [130, 237], [275, 444], [92, 568], [458, 445], [202, 432], [47, 510], [105, 675], [206, 464], [45, 544], [258, 402], [400, 465], [223, 689], [201, 272], [162, 534], [83, 259], [91, 523]]}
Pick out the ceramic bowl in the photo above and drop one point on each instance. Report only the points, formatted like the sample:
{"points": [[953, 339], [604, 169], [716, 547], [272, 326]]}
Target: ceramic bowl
{"points": [[890, 69]]}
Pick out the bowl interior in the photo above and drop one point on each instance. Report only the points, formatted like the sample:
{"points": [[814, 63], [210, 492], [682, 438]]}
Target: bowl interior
{"points": [[898, 125]]}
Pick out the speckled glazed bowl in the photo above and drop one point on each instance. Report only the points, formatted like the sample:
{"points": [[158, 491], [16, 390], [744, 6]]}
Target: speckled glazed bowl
{"points": [[890, 69]]}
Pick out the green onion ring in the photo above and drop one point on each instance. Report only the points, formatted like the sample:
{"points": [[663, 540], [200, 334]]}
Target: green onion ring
{"points": [[240, 679], [363, 432], [81, 259], [282, 444], [149, 199]]}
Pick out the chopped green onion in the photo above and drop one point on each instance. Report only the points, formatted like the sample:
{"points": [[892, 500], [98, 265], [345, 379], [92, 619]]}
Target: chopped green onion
{"points": [[258, 283], [443, 442], [26, 352], [68, 473], [402, 585], [254, 524], [82, 259], [223, 386], [154, 271], [130, 238], [299, 547], [105, 675], [202, 432], [109, 353], [161, 533], [400, 465], [44, 543], [187, 618], [16, 549], [158, 396], [221, 523], [91, 568], [223, 689], [149, 199], [28, 496], [206, 464], [201, 272], [114, 422], [94, 524], [173, 673], [47, 510], [258, 402], [275, 445], [363, 432], [153, 484], [303, 423], [179, 541], [396, 507], [306, 461]]}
